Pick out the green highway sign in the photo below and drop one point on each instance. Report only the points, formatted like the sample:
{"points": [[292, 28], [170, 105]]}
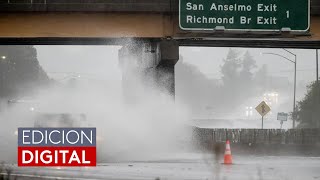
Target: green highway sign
{"points": [[245, 15]]}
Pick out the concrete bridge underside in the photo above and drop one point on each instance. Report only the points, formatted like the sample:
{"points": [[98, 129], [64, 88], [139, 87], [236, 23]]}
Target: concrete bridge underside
{"points": [[148, 31], [119, 25]]}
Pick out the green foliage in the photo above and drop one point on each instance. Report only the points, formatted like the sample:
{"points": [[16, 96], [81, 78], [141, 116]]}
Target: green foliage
{"points": [[248, 64], [195, 88], [262, 74], [237, 77], [236, 69], [308, 109], [230, 70], [20, 70], [246, 75]]}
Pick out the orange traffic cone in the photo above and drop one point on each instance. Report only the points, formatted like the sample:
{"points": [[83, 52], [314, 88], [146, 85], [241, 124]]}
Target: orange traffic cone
{"points": [[227, 154]]}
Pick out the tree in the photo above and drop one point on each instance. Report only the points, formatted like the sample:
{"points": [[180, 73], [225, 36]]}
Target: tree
{"points": [[261, 77], [194, 88], [246, 74], [20, 70], [231, 68], [237, 77], [307, 110], [248, 64]]}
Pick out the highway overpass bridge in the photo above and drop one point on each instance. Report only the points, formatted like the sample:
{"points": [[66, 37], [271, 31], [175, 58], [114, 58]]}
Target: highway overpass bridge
{"points": [[105, 21], [151, 27]]}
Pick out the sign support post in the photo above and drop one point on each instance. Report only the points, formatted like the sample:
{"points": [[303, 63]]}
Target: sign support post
{"points": [[263, 109], [282, 117]]}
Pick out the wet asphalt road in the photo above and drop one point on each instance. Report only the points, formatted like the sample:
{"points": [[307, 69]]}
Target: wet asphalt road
{"points": [[186, 166]]}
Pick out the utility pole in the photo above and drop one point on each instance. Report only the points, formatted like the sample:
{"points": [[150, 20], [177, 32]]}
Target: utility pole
{"points": [[317, 87], [295, 82], [295, 88], [294, 93], [317, 65]]}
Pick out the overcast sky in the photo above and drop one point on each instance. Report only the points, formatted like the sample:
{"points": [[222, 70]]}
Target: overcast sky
{"points": [[209, 60], [95, 61], [102, 61]]}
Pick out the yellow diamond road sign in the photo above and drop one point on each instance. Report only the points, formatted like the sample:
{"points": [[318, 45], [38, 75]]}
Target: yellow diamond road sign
{"points": [[263, 108]]}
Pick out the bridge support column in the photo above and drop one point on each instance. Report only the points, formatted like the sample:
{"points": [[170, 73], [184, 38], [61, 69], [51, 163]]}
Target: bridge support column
{"points": [[146, 65], [169, 56]]}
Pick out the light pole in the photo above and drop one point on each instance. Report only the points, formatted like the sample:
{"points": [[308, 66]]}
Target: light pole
{"points": [[317, 66], [295, 81], [317, 85]]}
